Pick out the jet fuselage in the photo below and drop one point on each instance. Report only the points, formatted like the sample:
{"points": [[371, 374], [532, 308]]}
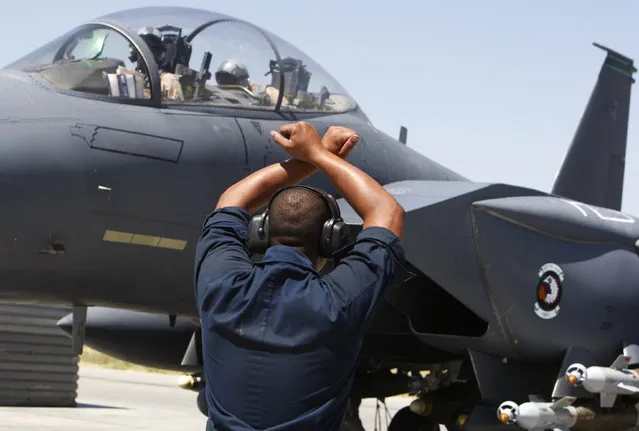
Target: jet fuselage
{"points": [[124, 191], [104, 205]]}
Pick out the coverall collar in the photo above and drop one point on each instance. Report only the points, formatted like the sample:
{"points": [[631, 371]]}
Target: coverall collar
{"points": [[290, 255]]}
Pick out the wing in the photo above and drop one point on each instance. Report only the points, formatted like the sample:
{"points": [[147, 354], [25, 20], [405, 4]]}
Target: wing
{"points": [[439, 217]]}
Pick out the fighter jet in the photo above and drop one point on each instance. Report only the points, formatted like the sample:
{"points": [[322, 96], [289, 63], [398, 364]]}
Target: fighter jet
{"points": [[120, 135]]}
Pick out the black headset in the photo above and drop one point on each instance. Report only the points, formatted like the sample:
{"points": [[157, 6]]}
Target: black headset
{"points": [[334, 234]]}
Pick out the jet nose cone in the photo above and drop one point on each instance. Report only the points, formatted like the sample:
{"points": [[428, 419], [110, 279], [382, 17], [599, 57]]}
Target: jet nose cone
{"points": [[66, 323]]}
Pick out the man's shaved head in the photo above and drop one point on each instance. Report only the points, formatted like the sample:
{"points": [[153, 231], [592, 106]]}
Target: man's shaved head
{"points": [[296, 217]]}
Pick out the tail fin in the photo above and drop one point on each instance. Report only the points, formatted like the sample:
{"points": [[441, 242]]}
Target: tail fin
{"points": [[593, 170]]}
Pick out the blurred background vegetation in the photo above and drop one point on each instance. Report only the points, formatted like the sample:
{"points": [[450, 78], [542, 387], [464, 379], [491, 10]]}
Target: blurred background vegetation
{"points": [[94, 358]]}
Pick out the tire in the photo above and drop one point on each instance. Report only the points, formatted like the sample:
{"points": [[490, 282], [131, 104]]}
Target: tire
{"points": [[202, 405], [405, 420]]}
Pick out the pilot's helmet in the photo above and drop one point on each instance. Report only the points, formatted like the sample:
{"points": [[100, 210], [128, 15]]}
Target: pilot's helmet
{"points": [[232, 72], [153, 39]]}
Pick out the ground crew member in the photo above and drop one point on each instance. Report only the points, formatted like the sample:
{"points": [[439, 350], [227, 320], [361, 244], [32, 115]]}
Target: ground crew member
{"points": [[280, 342]]}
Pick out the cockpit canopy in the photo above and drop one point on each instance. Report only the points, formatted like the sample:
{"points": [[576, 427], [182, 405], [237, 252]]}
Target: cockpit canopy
{"points": [[187, 57]]}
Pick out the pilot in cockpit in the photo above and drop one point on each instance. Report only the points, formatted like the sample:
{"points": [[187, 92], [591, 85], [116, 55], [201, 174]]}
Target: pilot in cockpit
{"points": [[235, 73], [169, 82]]}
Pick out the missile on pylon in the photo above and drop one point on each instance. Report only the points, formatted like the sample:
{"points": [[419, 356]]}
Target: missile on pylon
{"points": [[608, 382], [538, 415]]}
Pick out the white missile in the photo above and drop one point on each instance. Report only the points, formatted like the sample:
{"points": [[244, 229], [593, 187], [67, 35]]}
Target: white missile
{"points": [[608, 382], [539, 415]]}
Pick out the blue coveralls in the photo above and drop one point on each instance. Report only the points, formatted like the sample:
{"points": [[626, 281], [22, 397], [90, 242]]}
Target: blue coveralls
{"points": [[280, 343]]}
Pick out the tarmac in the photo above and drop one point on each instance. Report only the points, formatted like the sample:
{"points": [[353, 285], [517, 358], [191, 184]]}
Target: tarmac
{"points": [[127, 400]]}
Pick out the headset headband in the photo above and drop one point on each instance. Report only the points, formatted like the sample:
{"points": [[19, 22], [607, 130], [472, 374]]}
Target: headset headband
{"points": [[334, 232]]}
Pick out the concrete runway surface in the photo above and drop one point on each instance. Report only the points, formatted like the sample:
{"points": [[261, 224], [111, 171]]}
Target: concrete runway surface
{"points": [[125, 400]]}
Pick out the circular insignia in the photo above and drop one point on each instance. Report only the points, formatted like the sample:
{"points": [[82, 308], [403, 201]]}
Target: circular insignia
{"points": [[549, 289]]}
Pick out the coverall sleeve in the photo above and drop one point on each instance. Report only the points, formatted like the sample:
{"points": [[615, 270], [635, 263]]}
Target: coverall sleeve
{"points": [[357, 284], [222, 258]]}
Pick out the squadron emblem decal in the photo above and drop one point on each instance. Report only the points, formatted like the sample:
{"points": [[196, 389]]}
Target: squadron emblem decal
{"points": [[549, 288]]}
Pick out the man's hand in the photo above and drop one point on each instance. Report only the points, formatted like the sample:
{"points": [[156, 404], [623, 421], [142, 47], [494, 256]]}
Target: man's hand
{"points": [[340, 140], [300, 140]]}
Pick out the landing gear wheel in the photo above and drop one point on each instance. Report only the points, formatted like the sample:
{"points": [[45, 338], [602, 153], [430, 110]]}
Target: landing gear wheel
{"points": [[202, 405], [405, 420]]}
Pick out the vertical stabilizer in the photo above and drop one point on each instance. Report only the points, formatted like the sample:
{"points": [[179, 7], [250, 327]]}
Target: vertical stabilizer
{"points": [[593, 170]]}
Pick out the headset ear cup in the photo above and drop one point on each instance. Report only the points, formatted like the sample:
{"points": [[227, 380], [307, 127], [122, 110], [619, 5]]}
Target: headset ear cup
{"points": [[341, 235], [328, 239], [258, 237], [335, 235], [325, 238], [265, 231]]}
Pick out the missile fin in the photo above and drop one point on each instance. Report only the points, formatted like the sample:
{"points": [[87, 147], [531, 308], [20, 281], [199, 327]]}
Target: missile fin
{"points": [[621, 362], [563, 402], [607, 400]]}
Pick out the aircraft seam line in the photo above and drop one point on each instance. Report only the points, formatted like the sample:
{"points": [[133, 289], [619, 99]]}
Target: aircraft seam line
{"points": [[246, 157], [497, 315]]}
